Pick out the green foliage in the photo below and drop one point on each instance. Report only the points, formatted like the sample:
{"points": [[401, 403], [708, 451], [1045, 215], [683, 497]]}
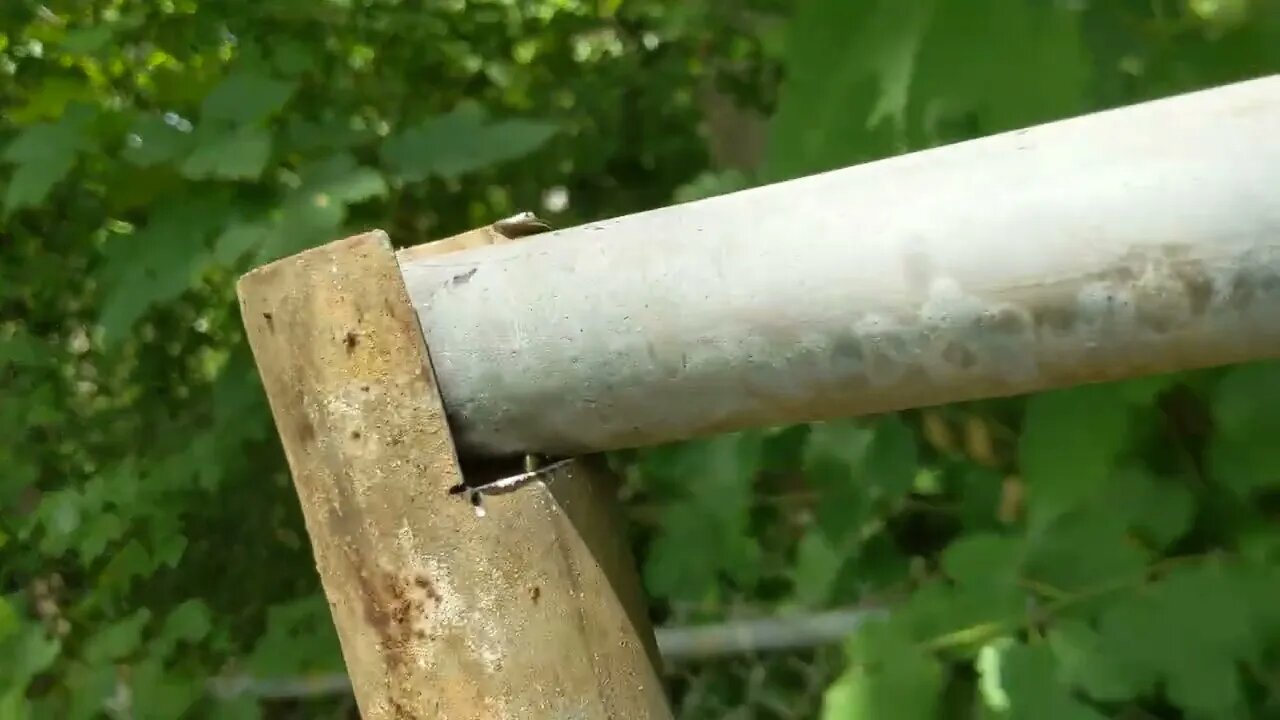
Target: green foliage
{"points": [[1110, 551], [1106, 551], [149, 154]]}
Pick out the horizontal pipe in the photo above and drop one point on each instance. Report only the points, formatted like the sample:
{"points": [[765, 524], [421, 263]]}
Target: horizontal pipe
{"points": [[677, 644], [1128, 242]]}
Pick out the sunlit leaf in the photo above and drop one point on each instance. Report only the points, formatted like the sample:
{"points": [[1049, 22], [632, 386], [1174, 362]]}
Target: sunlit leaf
{"points": [[889, 676]]}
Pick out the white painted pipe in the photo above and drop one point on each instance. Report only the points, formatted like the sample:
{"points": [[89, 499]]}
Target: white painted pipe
{"points": [[1127, 242]]}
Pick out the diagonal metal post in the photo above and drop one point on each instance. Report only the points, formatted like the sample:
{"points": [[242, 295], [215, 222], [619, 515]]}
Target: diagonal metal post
{"points": [[1128, 242]]}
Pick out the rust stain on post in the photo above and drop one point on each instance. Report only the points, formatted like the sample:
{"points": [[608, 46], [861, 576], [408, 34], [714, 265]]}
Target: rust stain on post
{"points": [[440, 614]]}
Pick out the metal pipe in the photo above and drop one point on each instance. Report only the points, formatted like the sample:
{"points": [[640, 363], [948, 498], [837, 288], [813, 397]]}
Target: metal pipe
{"points": [[1123, 243], [677, 644]]}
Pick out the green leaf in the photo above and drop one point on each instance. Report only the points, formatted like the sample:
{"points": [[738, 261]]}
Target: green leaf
{"points": [[299, 638], [705, 536], [710, 184], [87, 40], [152, 140], [100, 529], [116, 640], [1189, 632], [1069, 445], [874, 78], [89, 684], [314, 211], [14, 704], [986, 569], [849, 71], [130, 562], [27, 653], [1006, 65], [59, 517], [160, 261], [49, 99], [1160, 509], [835, 454], [308, 136], [8, 619], [817, 567], [1029, 674], [234, 154], [1243, 454], [43, 154], [187, 623], [891, 462], [161, 695], [460, 142], [244, 98], [338, 178], [1082, 552], [890, 676], [1246, 397], [1083, 662], [240, 238]]}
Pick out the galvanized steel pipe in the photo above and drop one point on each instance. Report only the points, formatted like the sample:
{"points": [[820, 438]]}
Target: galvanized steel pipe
{"points": [[1128, 242]]}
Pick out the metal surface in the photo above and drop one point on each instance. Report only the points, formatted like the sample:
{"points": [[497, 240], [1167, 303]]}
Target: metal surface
{"points": [[1134, 241]]}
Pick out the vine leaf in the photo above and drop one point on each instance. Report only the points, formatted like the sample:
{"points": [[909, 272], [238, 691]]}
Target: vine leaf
{"points": [[985, 569], [244, 98], [1243, 454], [1083, 551], [1069, 445], [833, 459], [1187, 633], [43, 154], [154, 139], [706, 536], [1030, 677], [460, 142], [238, 153]]}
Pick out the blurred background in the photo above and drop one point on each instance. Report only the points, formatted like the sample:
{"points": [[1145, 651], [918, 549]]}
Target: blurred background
{"points": [[1110, 551]]}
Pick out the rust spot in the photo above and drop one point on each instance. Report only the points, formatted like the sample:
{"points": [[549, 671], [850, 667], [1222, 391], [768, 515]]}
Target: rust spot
{"points": [[1199, 292], [424, 584], [350, 340], [355, 435], [1122, 273], [462, 278], [1242, 292], [847, 349], [535, 594], [304, 430], [957, 354], [271, 324], [1007, 320], [364, 388], [1054, 317]]}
